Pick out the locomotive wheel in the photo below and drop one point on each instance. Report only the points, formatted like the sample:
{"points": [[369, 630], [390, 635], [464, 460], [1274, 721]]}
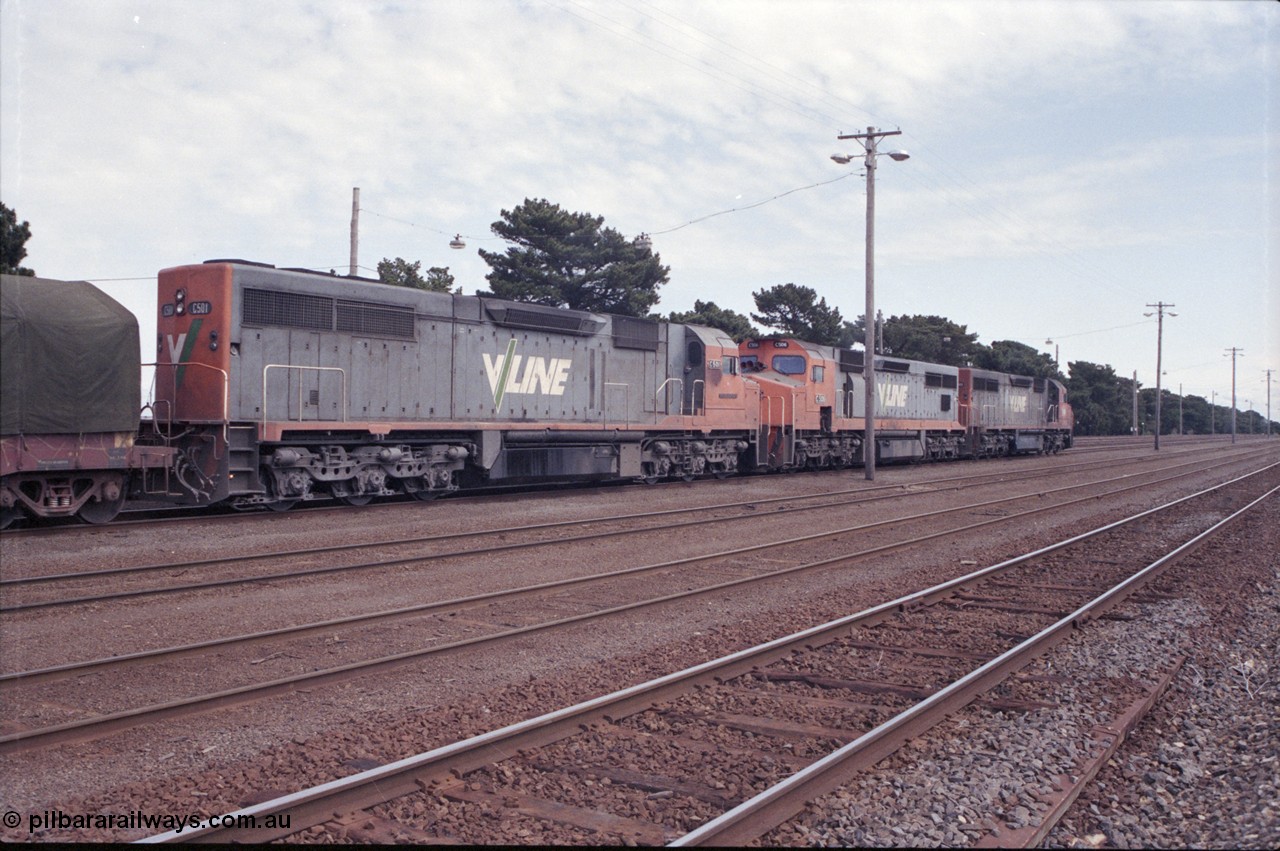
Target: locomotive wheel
{"points": [[356, 499], [424, 495], [277, 504], [722, 474], [98, 511], [8, 516]]}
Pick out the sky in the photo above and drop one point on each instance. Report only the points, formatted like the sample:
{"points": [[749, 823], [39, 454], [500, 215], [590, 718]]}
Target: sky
{"points": [[1071, 162]]}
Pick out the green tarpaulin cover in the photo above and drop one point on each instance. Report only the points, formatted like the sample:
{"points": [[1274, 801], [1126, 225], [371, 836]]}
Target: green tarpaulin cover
{"points": [[69, 359]]}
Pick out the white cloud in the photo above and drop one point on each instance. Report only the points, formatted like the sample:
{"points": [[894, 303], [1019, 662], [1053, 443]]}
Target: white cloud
{"points": [[1082, 143]]}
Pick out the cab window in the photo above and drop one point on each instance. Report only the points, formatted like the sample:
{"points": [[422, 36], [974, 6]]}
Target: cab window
{"points": [[789, 364], [819, 372]]}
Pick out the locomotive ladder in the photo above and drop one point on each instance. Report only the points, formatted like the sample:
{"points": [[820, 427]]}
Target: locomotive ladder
{"points": [[242, 460]]}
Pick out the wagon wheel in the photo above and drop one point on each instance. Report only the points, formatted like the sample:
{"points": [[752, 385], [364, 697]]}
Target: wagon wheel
{"points": [[99, 511], [8, 516]]}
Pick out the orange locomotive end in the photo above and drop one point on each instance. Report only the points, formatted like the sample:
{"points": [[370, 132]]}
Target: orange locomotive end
{"points": [[194, 351], [798, 396]]}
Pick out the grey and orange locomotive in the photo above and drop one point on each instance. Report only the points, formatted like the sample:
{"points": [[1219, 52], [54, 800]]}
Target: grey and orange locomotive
{"points": [[279, 386]]}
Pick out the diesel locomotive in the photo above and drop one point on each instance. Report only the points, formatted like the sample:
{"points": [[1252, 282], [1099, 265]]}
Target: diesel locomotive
{"points": [[277, 386]]}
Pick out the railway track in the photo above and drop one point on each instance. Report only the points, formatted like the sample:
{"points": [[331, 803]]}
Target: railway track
{"points": [[609, 596], [136, 518], [17, 589], [725, 751]]}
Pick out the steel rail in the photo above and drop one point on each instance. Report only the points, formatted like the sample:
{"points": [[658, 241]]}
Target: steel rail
{"points": [[508, 547], [368, 788], [765, 811], [181, 514], [957, 481], [241, 517], [54, 672]]}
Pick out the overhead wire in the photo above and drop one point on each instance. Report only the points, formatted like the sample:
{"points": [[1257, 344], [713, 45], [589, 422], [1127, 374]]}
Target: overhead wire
{"points": [[994, 216]]}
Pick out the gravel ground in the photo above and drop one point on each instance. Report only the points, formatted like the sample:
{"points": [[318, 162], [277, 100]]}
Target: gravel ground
{"points": [[223, 760], [1199, 771]]}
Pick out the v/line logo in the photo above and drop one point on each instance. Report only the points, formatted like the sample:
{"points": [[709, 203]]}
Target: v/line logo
{"points": [[892, 395], [515, 374]]}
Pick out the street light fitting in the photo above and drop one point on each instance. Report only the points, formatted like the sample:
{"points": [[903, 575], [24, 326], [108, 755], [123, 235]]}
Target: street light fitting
{"points": [[845, 159], [456, 242]]}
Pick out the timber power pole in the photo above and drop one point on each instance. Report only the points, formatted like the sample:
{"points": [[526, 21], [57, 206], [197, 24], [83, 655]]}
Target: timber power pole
{"points": [[1160, 307], [869, 142], [355, 228], [1269, 380], [1135, 404], [1234, 353]]}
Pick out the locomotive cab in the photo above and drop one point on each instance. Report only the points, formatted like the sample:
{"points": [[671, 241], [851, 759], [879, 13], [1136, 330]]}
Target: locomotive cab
{"points": [[801, 415]]}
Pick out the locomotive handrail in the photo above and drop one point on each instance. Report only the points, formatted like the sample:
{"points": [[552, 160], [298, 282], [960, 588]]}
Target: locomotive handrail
{"points": [[169, 403], [795, 432], [666, 400], [155, 415], [842, 405], [336, 369], [768, 423], [626, 402], [693, 398]]}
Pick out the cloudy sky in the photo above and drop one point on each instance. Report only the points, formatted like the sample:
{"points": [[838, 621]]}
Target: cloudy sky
{"points": [[1071, 162]]}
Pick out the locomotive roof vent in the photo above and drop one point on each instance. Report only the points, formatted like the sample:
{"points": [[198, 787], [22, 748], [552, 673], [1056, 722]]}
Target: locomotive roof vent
{"points": [[536, 317], [239, 262]]}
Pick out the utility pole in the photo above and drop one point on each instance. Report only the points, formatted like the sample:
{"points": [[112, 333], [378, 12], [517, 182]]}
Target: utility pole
{"points": [[1235, 352], [355, 228], [1269, 371], [1179, 409], [1135, 403], [1213, 412], [1160, 307], [869, 140]]}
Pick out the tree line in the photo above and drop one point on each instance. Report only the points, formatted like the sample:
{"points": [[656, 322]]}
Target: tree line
{"points": [[567, 259]]}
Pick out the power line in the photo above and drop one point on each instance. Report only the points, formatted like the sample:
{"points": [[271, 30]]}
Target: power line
{"points": [[650, 232], [753, 206], [1036, 238]]}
